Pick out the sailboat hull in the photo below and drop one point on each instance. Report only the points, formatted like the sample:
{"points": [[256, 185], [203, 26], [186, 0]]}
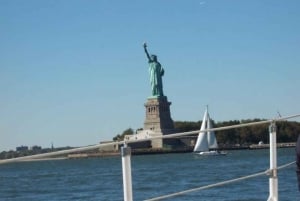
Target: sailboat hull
{"points": [[212, 153]]}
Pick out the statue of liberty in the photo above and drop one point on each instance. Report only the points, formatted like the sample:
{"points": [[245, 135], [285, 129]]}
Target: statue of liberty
{"points": [[156, 72]]}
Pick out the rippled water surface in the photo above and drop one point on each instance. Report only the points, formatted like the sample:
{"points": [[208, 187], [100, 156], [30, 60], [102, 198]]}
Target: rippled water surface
{"points": [[153, 175]]}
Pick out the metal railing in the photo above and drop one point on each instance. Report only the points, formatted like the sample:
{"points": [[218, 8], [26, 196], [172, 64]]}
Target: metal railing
{"points": [[263, 173]]}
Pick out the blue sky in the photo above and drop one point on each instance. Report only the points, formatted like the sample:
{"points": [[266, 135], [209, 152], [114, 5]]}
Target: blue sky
{"points": [[74, 72]]}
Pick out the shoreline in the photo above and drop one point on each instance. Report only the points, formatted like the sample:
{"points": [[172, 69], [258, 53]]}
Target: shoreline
{"points": [[149, 151]]}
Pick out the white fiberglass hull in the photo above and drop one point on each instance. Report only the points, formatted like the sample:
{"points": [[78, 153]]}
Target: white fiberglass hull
{"points": [[212, 153]]}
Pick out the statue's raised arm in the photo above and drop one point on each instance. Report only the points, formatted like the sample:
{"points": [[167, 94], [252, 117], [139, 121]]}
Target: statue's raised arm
{"points": [[146, 51]]}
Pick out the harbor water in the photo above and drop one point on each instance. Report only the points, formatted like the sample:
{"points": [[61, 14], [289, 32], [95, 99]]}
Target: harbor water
{"points": [[153, 175]]}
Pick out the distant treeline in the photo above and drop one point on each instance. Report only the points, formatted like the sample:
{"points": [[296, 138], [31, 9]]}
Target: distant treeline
{"points": [[287, 131]]}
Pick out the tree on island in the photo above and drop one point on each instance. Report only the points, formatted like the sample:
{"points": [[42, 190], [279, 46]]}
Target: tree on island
{"points": [[119, 137]]}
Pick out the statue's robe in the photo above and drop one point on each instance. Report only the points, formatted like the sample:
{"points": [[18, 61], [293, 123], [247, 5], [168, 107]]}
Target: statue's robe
{"points": [[156, 72]]}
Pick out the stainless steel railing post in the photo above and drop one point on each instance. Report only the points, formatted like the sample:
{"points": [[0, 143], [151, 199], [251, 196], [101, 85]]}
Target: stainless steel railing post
{"points": [[126, 169], [273, 180]]}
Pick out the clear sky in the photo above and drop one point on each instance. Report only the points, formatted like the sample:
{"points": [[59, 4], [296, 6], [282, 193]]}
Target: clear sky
{"points": [[73, 72]]}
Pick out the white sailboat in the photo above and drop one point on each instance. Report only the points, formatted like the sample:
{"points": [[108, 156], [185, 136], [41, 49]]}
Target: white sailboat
{"points": [[206, 139]]}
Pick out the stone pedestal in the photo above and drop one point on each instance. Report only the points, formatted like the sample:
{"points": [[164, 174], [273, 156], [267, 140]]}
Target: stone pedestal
{"points": [[158, 118]]}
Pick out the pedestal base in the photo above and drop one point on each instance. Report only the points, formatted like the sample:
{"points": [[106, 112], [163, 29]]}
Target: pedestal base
{"points": [[158, 115]]}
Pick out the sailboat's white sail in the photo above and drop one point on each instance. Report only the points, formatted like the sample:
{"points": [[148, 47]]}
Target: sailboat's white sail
{"points": [[207, 139], [211, 137], [202, 143]]}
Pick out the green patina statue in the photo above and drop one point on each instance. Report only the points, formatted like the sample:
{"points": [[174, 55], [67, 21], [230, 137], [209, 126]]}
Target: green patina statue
{"points": [[156, 72]]}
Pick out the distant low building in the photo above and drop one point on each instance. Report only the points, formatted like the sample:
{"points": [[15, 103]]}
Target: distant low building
{"points": [[22, 148], [36, 148], [143, 135], [183, 142]]}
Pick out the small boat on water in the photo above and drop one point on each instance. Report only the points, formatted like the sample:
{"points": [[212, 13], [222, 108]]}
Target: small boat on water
{"points": [[207, 144]]}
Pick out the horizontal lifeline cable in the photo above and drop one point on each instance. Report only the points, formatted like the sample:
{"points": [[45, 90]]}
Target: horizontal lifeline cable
{"points": [[266, 172], [91, 147]]}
